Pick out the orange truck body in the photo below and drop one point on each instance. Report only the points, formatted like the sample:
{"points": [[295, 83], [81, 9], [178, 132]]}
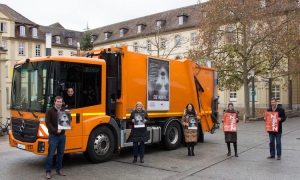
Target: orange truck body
{"points": [[187, 83]]}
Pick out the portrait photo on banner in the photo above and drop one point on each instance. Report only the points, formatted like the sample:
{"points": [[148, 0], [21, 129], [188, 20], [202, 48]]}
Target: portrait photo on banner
{"points": [[193, 122], [64, 120]]}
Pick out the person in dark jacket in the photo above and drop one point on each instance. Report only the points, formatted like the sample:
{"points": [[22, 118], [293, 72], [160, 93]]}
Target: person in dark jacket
{"points": [[189, 134], [231, 137], [276, 135], [57, 138], [69, 98], [139, 132]]}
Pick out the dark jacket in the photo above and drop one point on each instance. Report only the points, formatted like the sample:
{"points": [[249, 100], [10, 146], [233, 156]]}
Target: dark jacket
{"points": [[281, 114], [231, 136], [139, 134], [70, 101], [52, 121]]}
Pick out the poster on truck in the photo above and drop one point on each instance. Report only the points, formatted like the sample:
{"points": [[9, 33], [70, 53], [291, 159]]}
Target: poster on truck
{"points": [[271, 121], [158, 88]]}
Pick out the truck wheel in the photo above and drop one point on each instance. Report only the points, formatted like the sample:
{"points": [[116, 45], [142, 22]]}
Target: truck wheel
{"points": [[100, 146], [172, 138]]}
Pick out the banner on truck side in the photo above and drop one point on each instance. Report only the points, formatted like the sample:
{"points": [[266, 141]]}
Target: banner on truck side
{"points": [[158, 88]]}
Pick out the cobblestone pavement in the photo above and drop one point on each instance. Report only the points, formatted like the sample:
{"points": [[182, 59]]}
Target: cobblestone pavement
{"points": [[210, 162]]}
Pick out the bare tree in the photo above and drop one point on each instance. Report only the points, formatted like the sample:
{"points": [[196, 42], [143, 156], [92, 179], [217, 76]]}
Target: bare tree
{"points": [[245, 35]]}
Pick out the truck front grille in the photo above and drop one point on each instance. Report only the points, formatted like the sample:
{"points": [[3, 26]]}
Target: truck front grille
{"points": [[25, 130]]}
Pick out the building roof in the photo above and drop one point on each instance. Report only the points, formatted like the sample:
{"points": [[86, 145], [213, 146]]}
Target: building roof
{"points": [[19, 18], [170, 19]]}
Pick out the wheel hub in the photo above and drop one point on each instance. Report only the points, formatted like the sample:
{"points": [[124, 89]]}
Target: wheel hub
{"points": [[101, 144]]}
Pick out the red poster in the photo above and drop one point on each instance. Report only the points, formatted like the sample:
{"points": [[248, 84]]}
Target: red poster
{"points": [[271, 121], [229, 122]]}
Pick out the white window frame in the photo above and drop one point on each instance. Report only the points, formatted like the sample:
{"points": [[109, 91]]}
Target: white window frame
{"points": [[60, 52], [276, 92], [232, 95], [139, 30], [21, 48], [34, 33], [105, 36], [3, 27], [193, 38], [162, 43], [180, 20], [149, 45], [70, 41], [57, 39], [177, 40], [158, 24], [135, 47], [121, 33], [38, 50], [22, 31], [4, 44]]}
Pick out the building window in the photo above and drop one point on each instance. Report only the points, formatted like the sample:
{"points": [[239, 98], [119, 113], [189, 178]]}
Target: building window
{"points": [[121, 33], [21, 48], [60, 53], [250, 93], [163, 43], [105, 36], [34, 32], [139, 28], [135, 47], [276, 92], [72, 53], [37, 50], [194, 38], [177, 40], [4, 45], [70, 41], [158, 24], [180, 20], [3, 27], [232, 95], [57, 39], [22, 30], [149, 45]]}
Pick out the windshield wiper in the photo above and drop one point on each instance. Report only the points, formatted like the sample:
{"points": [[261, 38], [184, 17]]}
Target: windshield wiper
{"points": [[20, 112], [32, 112]]}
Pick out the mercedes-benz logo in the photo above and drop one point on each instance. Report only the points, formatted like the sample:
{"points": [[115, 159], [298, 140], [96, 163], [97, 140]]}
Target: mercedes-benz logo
{"points": [[22, 126]]}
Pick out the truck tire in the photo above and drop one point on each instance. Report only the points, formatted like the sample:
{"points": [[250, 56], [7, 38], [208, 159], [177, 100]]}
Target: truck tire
{"points": [[100, 146], [172, 138]]}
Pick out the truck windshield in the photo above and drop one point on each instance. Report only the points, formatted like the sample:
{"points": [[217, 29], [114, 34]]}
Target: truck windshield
{"points": [[29, 85]]}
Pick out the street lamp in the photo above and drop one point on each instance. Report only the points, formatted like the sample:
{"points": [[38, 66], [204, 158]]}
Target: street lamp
{"points": [[253, 94]]}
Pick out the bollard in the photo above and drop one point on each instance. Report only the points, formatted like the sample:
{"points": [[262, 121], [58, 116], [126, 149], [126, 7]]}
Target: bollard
{"points": [[244, 118]]}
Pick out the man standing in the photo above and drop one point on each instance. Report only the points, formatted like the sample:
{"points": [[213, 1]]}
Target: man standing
{"points": [[276, 135], [57, 138]]}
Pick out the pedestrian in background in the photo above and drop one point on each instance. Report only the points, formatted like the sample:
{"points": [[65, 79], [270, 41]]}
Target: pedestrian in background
{"points": [[139, 134], [276, 135], [231, 137], [189, 134]]}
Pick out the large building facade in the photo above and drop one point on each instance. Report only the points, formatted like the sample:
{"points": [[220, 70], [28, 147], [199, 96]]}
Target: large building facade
{"points": [[167, 34]]}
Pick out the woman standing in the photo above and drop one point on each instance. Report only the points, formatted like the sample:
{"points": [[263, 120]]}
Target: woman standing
{"points": [[190, 134], [231, 137], [139, 132]]}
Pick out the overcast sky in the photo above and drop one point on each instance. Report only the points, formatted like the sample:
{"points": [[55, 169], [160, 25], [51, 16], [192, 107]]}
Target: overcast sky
{"points": [[75, 14]]}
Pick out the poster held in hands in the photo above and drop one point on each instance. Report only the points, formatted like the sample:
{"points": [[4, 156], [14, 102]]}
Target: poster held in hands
{"points": [[229, 122], [271, 121], [193, 123], [64, 120], [139, 120]]}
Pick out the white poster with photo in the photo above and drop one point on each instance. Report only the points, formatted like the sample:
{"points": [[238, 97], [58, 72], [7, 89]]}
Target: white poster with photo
{"points": [[158, 88], [64, 120], [193, 123], [139, 120]]}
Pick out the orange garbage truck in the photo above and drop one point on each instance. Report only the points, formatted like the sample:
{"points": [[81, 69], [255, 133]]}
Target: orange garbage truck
{"points": [[107, 84]]}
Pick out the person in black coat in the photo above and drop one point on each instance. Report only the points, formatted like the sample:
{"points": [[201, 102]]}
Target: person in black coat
{"points": [[139, 134], [276, 135], [231, 137]]}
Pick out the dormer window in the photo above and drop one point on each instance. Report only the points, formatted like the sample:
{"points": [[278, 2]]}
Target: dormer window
{"points": [[140, 27], [107, 34], [121, 33], [182, 18], [70, 41], [22, 31], [158, 24], [57, 39], [34, 32]]}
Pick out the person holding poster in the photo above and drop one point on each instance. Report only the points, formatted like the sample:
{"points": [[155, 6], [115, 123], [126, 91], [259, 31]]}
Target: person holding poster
{"points": [[190, 134], [231, 137], [57, 138], [139, 133], [276, 135]]}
